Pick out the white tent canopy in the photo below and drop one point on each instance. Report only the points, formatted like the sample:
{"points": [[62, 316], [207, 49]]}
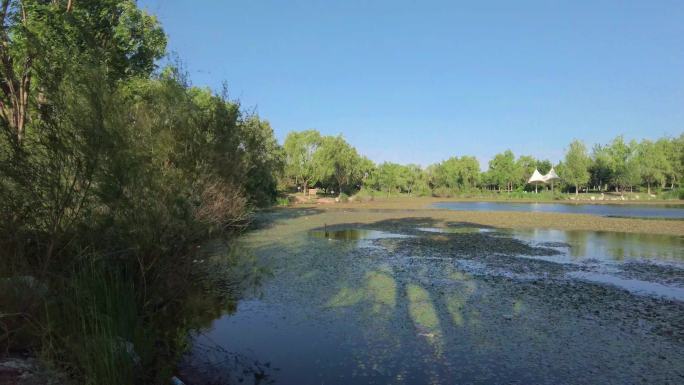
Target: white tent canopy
{"points": [[535, 179], [551, 175]]}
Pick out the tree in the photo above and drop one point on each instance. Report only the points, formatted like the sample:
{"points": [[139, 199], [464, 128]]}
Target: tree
{"points": [[620, 156], [413, 176], [42, 39], [365, 170], [469, 175], [263, 160], [544, 165], [337, 159], [502, 169], [600, 168], [389, 177], [653, 162], [300, 148], [577, 164], [673, 148], [456, 173]]}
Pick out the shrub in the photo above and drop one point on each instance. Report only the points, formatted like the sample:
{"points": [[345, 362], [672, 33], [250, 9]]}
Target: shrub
{"points": [[673, 194], [365, 195], [442, 192], [222, 206], [283, 201]]}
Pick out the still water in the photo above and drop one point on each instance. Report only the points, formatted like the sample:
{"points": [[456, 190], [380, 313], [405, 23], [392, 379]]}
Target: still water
{"points": [[675, 211], [605, 246], [408, 302]]}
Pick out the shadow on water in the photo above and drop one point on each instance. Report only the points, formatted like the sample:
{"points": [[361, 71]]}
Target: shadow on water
{"points": [[388, 302], [227, 272]]}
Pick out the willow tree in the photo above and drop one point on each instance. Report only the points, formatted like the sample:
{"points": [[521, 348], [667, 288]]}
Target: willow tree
{"points": [[300, 148], [338, 160]]}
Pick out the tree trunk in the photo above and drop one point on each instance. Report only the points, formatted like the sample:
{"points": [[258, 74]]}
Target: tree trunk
{"points": [[576, 190], [14, 86], [649, 188]]}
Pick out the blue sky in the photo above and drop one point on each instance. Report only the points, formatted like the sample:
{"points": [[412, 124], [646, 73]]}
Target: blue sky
{"points": [[420, 81]]}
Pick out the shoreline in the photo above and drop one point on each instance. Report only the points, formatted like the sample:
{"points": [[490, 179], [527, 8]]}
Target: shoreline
{"points": [[368, 212], [654, 202]]}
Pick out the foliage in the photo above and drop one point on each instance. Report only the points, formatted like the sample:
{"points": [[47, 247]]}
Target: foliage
{"points": [[111, 174], [389, 177], [343, 197], [264, 160], [338, 160], [336, 165], [300, 148], [503, 170], [457, 173], [576, 163], [653, 163]]}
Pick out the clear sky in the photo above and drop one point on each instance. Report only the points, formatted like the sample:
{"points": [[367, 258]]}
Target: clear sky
{"points": [[420, 81]]}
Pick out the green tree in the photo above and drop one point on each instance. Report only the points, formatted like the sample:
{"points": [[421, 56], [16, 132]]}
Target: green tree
{"points": [[600, 168], [264, 160], [502, 170], [366, 168], [389, 177], [456, 173], [673, 148], [577, 164], [654, 165], [43, 39], [337, 159], [620, 155], [413, 177], [300, 148], [544, 166]]}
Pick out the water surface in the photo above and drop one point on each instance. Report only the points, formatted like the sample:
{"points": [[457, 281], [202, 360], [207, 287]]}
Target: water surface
{"points": [[578, 245], [674, 211], [409, 301]]}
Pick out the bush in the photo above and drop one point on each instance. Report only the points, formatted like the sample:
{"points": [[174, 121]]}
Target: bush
{"points": [[442, 192], [365, 195], [282, 201], [343, 198], [673, 194]]}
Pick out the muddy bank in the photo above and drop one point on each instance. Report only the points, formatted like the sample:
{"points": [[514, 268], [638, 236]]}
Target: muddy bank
{"points": [[371, 212]]}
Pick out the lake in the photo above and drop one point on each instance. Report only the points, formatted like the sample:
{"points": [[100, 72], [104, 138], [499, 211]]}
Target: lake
{"points": [[376, 299], [673, 211]]}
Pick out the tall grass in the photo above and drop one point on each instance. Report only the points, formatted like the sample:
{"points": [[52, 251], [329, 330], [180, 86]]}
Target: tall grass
{"points": [[92, 328]]}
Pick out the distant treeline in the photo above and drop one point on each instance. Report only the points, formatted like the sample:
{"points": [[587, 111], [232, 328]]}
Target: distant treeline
{"points": [[330, 162]]}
